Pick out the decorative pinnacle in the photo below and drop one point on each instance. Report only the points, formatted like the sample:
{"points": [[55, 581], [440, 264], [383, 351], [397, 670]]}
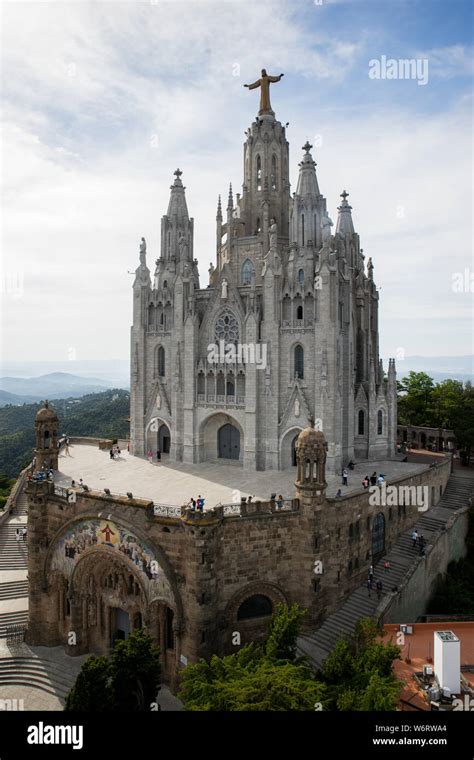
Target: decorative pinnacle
{"points": [[307, 147], [230, 203], [219, 208], [178, 173]]}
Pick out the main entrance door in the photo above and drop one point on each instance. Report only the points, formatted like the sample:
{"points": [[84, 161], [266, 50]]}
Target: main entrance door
{"points": [[229, 442]]}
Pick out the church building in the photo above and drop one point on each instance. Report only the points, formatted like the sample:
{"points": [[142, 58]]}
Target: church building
{"points": [[286, 329]]}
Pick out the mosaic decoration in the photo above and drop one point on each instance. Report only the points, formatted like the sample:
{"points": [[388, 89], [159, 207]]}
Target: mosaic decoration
{"points": [[83, 536]]}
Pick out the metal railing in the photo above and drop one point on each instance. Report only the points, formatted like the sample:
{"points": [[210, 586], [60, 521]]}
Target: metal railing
{"points": [[167, 510], [15, 633]]}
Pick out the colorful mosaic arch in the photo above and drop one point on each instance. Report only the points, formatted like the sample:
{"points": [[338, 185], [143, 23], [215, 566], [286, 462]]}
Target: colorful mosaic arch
{"points": [[83, 536]]}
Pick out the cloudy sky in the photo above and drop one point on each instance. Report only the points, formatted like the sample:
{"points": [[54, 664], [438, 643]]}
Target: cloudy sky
{"points": [[102, 102]]}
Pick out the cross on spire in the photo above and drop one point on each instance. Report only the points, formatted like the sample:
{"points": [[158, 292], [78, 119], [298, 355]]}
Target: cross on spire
{"points": [[178, 173], [344, 195], [307, 147]]}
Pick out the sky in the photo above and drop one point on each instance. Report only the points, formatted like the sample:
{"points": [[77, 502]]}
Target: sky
{"points": [[102, 101]]}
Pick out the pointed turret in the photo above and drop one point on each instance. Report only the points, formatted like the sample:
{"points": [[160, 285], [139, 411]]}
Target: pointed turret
{"points": [[308, 205], [344, 224], [307, 180], [230, 202], [176, 226], [219, 210]]}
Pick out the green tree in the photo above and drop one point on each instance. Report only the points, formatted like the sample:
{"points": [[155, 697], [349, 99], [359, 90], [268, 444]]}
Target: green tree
{"points": [[91, 692], [135, 672], [415, 402], [127, 681], [284, 628]]}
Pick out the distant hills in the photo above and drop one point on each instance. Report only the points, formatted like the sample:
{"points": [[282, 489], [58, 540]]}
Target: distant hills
{"points": [[58, 385], [438, 367], [100, 415]]}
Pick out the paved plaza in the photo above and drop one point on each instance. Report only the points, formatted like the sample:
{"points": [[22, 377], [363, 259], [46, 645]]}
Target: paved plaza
{"points": [[218, 483]]}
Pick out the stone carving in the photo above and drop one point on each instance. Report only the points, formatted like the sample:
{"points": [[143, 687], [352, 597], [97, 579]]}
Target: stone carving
{"points": [[326, 224], [273, 233], [296, 410], [224, 288]]}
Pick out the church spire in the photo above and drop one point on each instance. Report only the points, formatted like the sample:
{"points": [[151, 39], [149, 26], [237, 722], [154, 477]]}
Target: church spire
{"points": [[344, 224], [176, 226], [177, 204], [307, 180]]}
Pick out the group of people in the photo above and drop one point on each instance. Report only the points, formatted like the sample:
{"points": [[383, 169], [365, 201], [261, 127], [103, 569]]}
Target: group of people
{"points": [[21, 534], [114, 452], [373, 480], [418, 539], [150, 456], [372, 584], [196, 504]]}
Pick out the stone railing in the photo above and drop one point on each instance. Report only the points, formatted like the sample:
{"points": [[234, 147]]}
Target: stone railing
{"points": [[12, 499]]}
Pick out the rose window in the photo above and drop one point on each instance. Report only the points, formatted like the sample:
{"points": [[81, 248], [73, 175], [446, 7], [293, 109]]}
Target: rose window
{"points": [[227, 327]]}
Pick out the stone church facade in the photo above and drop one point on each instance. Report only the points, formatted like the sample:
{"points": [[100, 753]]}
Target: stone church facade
{"points": [[298, 302]]}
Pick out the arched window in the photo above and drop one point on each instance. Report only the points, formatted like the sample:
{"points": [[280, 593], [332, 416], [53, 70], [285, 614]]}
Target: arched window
{"points": [[299, 362], [247, 272], [165, 284], [299, 312], [230, 388], [379, 422], [255, 606], [274, 173], [361, 426], [301, 277], [169, 634], [259, 226], [161, 361], [259, 173]]}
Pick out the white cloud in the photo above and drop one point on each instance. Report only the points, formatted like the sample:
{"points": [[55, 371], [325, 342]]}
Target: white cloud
{"points": [[84, 182]]}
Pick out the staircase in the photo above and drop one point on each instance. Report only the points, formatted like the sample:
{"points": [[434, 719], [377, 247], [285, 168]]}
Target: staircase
{"points": [[320, 643], [36, 672]]}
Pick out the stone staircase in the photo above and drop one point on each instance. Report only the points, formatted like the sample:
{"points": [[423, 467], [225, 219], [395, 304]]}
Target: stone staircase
{"points": [[21, 507], [13, 590], [320, 643], [13, 553], [38, 673], [17, 617]]}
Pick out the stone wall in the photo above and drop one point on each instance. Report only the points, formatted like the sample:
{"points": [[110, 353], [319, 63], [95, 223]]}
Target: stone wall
{"points": [[212, 562]]}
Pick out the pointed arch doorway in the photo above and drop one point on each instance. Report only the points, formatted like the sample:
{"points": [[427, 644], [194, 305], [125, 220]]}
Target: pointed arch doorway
{"points": [[228, 444]]}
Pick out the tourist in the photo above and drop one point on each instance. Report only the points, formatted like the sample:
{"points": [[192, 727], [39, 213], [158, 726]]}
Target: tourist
{"points": [[192, 504], [380, 479], [421, 544], [366, 482], [128, 447], [344, 477], [369, 585], [158, 455], [338, 493], [81, 483], [279, 502], [150, 456], [351, 465], [111, 453], [414, 537], [386, 565], [379, 587], [24, 534], [249, 500], [73, 483], [18, 534], [373, 479], [371, 572], [118, 451]]}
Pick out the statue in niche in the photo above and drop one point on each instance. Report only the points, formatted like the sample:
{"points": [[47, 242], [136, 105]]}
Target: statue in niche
{"points": [[158, 401], [273, 234], [224, 288], [296, 410]]}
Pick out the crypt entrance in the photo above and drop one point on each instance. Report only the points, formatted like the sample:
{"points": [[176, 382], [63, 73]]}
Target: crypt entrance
{"points": [[105, 599]]}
